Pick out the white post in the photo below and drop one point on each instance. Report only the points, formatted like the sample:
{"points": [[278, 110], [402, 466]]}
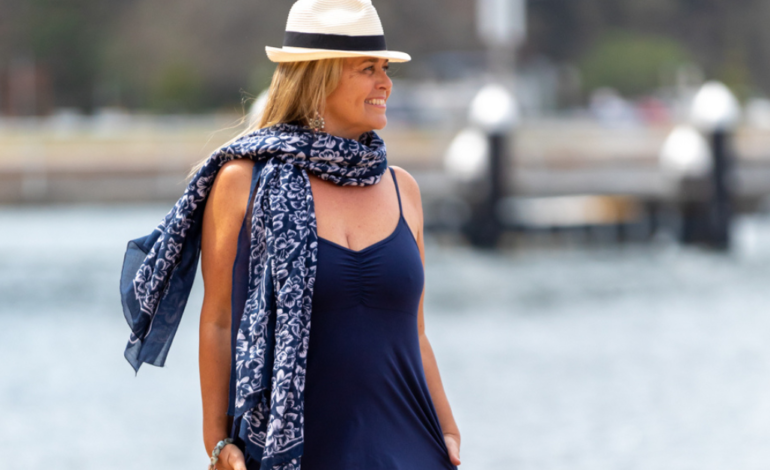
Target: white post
{"points": [[716, 112], [495, 112], [502, 26]]}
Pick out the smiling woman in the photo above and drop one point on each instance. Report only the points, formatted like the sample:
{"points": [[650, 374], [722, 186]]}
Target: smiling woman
{"points": [[357, 105], [371, 393], [298, 217]]}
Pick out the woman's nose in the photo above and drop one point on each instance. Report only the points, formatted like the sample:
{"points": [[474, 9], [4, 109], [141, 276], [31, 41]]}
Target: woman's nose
{"points": [[385, 82]]}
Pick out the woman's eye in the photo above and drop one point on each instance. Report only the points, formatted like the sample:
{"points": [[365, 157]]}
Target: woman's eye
{"points": [[384, 67]]}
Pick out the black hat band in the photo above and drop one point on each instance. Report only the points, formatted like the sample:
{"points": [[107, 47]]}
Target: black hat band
{"points": [[334, 41]]}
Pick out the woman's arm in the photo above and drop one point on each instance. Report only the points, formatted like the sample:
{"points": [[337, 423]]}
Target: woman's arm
{"points": [[222, 218], [412, 202]]}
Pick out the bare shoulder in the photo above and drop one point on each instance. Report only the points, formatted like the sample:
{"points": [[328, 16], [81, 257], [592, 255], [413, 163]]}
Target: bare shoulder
{"points": [[408, 186], [230, 190], [232, 179], [410, 197], [235, 171]]}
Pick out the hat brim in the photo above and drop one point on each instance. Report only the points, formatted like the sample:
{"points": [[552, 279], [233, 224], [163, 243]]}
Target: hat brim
{"points": [[298, 54]]}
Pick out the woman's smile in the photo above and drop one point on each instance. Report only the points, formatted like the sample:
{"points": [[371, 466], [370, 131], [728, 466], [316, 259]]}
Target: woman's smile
{"points": [[377, 103]]}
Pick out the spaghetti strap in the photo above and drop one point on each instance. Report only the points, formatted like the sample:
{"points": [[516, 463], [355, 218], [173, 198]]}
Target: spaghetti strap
{"points": [[398, 194]]}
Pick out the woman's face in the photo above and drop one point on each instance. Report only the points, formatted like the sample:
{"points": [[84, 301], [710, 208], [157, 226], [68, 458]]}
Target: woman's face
{"points": [[357, 105]]}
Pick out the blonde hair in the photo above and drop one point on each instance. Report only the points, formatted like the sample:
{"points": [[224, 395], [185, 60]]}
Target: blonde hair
{"points": [[297, 91]]}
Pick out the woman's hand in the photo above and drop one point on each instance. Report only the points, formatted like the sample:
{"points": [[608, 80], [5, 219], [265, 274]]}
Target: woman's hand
{"points": [[231, 458], [453, 446]]}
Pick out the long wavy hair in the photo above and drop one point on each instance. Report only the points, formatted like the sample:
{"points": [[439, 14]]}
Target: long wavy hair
{"points": [[297, 91]]}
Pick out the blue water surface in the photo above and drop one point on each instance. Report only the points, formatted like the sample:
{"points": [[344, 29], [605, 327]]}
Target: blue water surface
{"points": [[632, 357]]}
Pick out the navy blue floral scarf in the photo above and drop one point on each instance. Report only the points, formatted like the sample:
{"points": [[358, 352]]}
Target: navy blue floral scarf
{"points": [[273, 335]]}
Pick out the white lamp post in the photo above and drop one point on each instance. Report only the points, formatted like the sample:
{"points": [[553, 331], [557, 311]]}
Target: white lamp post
{"points": [[494, 109], [715, 108], [716, 112], [685, 154], [480, 153]]}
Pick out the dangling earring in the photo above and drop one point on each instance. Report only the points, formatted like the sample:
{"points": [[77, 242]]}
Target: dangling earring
{"points": [[317, 123]]}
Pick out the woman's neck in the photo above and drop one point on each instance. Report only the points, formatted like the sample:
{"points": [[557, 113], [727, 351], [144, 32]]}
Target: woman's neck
{"points": [[350, 132]]}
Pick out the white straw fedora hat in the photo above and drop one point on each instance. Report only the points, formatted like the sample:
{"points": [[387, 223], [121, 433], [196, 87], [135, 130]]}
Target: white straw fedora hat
{"points": [[320, 29]]}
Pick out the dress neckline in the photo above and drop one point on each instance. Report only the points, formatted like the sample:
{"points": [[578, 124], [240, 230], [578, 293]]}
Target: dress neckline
{"points": [[373, 245], [384, 240]]}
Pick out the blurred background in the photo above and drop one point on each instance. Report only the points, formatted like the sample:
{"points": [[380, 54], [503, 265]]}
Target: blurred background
{"points": [[595, 178]]}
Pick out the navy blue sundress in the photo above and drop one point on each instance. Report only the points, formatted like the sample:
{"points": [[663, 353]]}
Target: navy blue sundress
{"points": [[367, 402]]}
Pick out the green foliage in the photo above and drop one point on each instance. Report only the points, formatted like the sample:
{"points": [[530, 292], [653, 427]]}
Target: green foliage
{"points": [[178, 88], [260, 77], [734, 72], [62, 35], [629, 62], [103, 52]]}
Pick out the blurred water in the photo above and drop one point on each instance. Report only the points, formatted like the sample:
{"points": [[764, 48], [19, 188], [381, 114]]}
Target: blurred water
{"points": [[616, 358]]}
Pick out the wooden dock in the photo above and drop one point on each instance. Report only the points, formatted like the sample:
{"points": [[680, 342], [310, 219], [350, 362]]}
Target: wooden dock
{"points": [[124, 158]]}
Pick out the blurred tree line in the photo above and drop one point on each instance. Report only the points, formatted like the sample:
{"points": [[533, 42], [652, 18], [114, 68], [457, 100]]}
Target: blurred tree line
{"points": [[195, 55], [627, 44]]}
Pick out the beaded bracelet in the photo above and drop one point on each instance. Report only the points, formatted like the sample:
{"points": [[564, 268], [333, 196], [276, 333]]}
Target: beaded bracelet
{"points": [[217, 450]]}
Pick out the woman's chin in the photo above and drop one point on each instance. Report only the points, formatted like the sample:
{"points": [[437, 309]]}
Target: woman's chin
{"points": [[379, 123]]}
